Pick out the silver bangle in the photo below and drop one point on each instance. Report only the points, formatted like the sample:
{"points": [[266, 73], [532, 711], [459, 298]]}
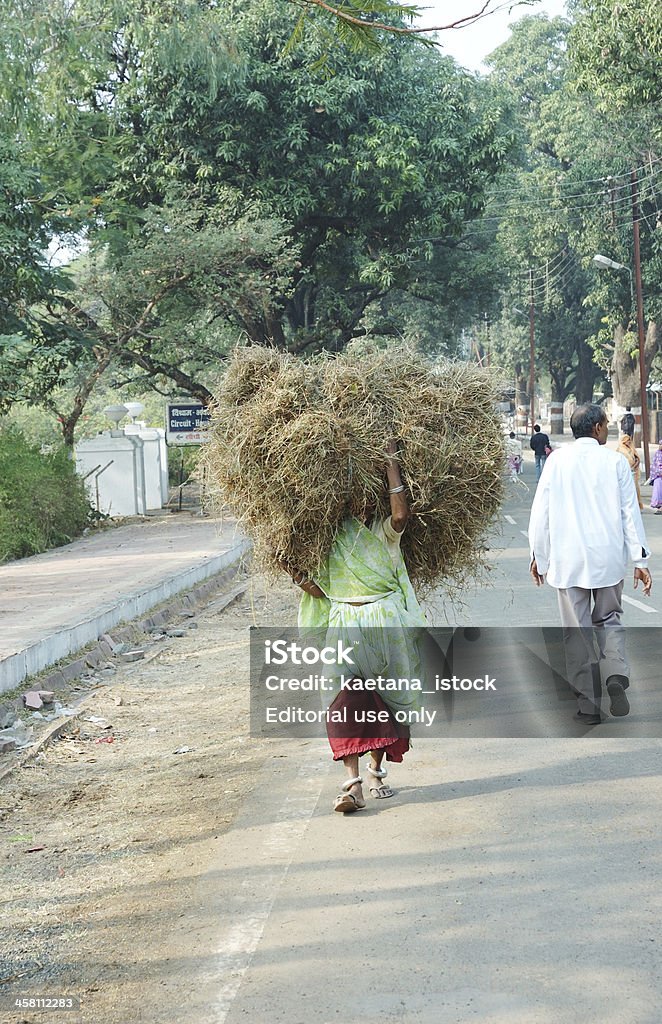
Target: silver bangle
{"points": [[396, 490], [301, 580]]}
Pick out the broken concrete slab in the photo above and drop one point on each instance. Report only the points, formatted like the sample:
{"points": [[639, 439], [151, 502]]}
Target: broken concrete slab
{"points": [[32, 701], [54, 681], [92, 658], [74, 669], [7, 719], [7, 744], [128, 656], [20, 734]]}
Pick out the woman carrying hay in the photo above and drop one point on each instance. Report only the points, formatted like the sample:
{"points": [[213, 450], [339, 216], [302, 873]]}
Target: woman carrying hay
{"points": [[363, 593]]}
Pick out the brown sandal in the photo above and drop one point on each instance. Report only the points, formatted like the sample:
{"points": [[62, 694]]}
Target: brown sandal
{"points": [[379, 791], [346, 802]]}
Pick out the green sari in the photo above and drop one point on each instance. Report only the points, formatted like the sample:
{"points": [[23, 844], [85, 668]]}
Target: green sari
{"points": [[369, 604]]}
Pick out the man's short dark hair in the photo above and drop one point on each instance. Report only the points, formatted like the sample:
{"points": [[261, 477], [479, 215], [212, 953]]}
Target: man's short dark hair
{"points": [[585, 418], [512, 434], [536, 426]]}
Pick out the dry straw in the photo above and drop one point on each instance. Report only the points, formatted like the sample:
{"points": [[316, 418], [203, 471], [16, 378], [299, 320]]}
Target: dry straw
{"points": [[299, 445]]}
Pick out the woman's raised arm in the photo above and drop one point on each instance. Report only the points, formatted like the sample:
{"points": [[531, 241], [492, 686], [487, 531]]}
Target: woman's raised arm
{"points": [[396, 489]]}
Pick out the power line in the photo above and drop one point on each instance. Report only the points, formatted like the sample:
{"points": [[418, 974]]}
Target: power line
{"points": [[590, 181], [547, 266], [584, 208], [578, 195], [556, 282]]}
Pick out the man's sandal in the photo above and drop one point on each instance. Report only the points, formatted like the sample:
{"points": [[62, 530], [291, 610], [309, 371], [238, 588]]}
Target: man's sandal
{"points": [[346, 802], [384, 791]]}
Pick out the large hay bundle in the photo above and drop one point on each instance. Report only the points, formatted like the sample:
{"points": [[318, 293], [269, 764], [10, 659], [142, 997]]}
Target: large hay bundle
{"points": [[298, 445]]}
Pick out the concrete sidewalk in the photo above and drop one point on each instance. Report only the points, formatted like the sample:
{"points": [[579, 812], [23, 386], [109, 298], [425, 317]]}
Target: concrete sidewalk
{"points": [[53, 604]]}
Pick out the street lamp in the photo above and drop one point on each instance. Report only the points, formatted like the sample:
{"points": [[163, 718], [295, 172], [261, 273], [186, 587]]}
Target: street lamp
{"points": [[605, 263]]}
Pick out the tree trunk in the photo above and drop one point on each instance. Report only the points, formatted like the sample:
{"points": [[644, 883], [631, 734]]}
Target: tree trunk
{"points": [[521, 399], [556, 406], [587, 372], [625, 375], [103, 358], [625, 363]]}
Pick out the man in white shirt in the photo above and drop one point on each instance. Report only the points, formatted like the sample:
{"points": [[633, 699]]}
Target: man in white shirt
{"points": [[585, 527]]}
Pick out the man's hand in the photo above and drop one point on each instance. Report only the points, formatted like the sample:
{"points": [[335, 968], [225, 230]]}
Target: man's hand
{"points": [[646, 578], [537, 578]]}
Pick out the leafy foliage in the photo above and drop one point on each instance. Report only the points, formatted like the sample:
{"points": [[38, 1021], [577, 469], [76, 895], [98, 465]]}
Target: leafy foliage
{"points": [[568, 199], [616, 50], [42, 500], [226, 187]]}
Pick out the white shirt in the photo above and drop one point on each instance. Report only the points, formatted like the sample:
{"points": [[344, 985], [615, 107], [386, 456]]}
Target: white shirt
{"points": [[585, 523]]}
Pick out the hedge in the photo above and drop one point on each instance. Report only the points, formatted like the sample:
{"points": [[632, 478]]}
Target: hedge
{"points": [[42, 501]]}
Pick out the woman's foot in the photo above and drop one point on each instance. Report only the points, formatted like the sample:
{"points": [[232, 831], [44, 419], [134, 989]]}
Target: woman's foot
{"points": [[350, 798], [378, 789]]}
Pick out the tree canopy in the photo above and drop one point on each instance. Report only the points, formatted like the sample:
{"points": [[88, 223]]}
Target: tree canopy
{"points": [[222, 181]]}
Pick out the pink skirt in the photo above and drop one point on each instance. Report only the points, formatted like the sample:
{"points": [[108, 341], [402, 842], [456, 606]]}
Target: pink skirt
{"points": [[359, 732]]}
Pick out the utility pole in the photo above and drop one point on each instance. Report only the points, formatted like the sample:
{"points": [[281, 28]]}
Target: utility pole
{"points": [[640, 322], [532, 351]]}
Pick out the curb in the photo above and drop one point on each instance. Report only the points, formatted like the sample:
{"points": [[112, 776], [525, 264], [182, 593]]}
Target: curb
{"points": [[197, 598], [48, 650]]}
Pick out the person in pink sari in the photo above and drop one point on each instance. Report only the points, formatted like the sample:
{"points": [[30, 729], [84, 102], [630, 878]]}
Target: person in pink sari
{"points": [[656, 479]]}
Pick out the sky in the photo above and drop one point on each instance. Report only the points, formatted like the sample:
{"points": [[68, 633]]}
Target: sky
{"points": [[471, 44]]}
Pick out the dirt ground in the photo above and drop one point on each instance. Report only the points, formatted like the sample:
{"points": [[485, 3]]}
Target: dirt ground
{"points": [[105, 844]]}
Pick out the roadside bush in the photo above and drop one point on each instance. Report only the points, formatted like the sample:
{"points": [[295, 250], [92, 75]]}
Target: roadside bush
{"points": [[42, 500]]}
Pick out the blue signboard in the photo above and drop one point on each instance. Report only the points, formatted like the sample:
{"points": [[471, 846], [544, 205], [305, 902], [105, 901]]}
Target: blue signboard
{"points": [[187, 422]]}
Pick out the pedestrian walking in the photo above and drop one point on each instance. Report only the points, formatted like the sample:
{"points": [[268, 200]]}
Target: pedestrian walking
{"points": [[514, 455], [656, 480], [585, 527], [628, 422], [627, 449], [541, 446], [363, 596]]}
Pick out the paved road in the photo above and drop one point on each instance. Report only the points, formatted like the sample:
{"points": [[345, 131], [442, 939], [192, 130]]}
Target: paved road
{"points": [[508, 882], [504, 884]]}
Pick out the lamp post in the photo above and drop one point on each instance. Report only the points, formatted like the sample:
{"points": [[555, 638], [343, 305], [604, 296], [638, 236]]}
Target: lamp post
{"points": [[605, 263]]}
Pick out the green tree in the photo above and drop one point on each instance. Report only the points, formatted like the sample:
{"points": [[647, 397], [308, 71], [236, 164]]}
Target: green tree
{"points": [[172, 136], [616, 52], [561, 206]]}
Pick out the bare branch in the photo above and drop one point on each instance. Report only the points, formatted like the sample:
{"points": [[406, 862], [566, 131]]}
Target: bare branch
{"points": [[468, 19]]}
